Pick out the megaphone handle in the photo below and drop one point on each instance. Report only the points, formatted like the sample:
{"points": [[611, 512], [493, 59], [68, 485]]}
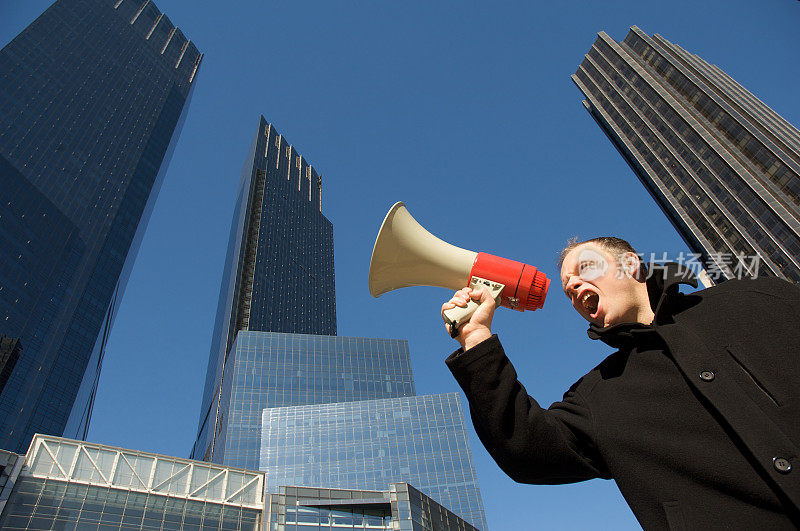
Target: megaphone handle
{"points": [[457, 316]]}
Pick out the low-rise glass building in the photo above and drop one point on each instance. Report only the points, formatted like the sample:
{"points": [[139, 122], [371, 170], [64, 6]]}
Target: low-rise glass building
{"points": [[71, 485], [402, 507], [373, 443]]}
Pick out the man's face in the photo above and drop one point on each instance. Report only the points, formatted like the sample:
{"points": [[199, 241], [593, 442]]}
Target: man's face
{"points": [[601, 290]]}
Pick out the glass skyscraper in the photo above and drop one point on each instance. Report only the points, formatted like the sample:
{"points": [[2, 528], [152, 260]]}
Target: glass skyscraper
{"points": [[278, 274], [92, 98], [721, 164], [275, 355]]}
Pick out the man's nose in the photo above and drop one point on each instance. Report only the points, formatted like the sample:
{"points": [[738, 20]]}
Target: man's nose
{"points": [[573, 284]]}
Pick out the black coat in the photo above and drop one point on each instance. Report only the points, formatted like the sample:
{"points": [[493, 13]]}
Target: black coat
{"points": [[696, 417]]}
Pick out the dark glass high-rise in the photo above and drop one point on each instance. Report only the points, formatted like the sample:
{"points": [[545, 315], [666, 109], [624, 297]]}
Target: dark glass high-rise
{"points": [[277, 367], [720, 163], [278, 274], [93, 94]]}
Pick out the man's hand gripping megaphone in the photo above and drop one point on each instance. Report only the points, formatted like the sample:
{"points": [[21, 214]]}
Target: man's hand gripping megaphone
{"points": [[479, 325]]}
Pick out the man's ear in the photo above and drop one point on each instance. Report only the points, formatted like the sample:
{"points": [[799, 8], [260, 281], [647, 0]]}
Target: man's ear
{"points": [[631, 265]]}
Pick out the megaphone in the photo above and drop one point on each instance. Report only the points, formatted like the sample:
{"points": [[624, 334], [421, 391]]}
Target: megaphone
{"points": [[405, 254]]}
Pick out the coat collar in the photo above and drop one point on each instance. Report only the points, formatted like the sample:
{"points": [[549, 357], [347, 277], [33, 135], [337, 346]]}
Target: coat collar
{"points": [[662, 284]]}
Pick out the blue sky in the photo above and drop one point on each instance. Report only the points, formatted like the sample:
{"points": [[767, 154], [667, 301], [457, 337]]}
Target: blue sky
{"points": [[466, 112]]}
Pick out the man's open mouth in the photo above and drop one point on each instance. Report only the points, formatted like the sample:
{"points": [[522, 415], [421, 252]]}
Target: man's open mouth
{"points": [[589, 301]]}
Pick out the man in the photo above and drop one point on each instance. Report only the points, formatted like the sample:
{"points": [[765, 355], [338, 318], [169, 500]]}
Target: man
{"points": [[696, 416]]}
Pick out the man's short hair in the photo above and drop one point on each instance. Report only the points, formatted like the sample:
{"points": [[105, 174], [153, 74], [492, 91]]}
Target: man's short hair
{"points": [[612, 244]]}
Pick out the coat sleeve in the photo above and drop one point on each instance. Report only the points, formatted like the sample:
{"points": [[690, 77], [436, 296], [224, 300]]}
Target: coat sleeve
{"points": [[529, 443]]}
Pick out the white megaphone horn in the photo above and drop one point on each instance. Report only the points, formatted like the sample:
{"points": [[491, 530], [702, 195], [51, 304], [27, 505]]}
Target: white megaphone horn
{"points": [[405, 254]]}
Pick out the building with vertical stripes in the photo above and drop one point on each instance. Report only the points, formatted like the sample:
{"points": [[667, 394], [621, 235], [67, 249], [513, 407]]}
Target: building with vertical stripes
{"points": [[719, 162]]}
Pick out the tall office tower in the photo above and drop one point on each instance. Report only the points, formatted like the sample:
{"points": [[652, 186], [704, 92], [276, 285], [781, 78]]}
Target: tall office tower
{"points": [[274, 352], [278, 274], [92, 97], [721, 164]]}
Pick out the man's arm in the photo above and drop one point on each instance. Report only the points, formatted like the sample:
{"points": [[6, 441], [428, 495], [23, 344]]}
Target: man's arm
{"points": [[530, 444]]}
